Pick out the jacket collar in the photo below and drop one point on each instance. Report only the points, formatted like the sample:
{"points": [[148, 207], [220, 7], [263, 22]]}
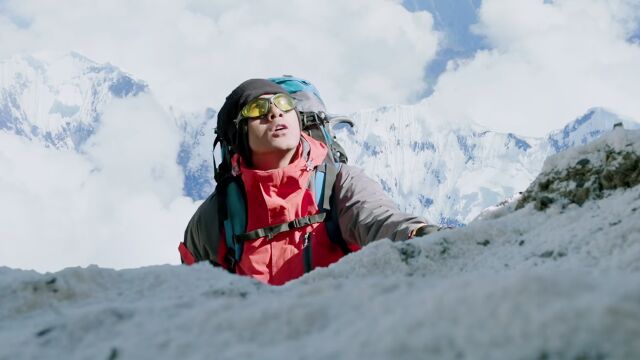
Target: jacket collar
{"points": [[310, 152]]}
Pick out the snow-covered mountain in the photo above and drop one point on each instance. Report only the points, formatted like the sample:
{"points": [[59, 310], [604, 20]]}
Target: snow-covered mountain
{"points": [[195, 156], [554, 282], [586, 128], [450, 171], [446, 171], [59, 99]]}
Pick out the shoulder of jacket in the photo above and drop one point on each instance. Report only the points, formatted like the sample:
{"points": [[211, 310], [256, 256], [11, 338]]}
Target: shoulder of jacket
{"points": [[346, 171], [208, 208]]}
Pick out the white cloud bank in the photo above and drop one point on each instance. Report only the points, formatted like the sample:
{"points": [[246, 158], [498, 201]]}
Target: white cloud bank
{"points": [[193, 53], [118, 205], [548, 64]]}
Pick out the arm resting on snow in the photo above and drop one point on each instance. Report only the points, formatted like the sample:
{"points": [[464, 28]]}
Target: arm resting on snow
{"points": [[366, 213], [202, 234]]}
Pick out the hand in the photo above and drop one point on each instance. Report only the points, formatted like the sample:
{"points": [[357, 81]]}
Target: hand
{"points": [[425, 230]]}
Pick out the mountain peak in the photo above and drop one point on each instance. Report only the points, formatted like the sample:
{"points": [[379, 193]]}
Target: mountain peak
{"points": [[51, 95], [588, 126]]}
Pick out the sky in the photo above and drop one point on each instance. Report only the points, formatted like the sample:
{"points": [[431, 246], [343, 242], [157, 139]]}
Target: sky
{"points": [[521, 66], [547, 63]]}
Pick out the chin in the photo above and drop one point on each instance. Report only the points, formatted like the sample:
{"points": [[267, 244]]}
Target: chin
{"points": [[286, 144], [286, 147]]}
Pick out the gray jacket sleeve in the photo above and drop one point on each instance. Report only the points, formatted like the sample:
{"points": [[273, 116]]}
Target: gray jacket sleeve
{"points": [[202, 235], [366, 213]]}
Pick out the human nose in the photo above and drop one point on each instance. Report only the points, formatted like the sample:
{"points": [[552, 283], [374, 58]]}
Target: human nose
{"points": [[274, 112]]}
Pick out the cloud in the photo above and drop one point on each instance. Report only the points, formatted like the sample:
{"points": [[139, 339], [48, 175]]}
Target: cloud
{"points": [[193, 53], [118, 204], [549, 60], [548, 64]]}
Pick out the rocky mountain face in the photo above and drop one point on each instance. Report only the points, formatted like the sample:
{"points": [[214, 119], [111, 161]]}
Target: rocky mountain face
{"points": [[446, 171], [586, 173]]}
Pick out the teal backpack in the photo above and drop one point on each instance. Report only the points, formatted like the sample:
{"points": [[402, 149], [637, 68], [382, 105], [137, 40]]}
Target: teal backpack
{"points": [[232, 202]]}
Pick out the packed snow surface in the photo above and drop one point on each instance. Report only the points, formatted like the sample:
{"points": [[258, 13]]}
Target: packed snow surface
{"points": [[562, 283]]}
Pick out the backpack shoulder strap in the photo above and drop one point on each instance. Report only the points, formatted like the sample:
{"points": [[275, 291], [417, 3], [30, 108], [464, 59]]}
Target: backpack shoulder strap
{"points": [[233, 212], [325, 179]]}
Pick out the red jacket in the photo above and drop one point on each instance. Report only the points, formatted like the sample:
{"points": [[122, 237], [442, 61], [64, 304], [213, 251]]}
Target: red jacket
{"points": [[279, 196]]}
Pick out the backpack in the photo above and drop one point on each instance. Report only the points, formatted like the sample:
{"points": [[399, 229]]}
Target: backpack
{"points": [[230, 190], [313, 114]]}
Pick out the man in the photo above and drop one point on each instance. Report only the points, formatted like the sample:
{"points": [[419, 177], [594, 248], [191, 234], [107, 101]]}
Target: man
{"points": [[276, 162]]}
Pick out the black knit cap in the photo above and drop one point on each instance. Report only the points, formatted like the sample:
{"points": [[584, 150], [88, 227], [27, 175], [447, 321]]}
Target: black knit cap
{"points": [[227, 129]]}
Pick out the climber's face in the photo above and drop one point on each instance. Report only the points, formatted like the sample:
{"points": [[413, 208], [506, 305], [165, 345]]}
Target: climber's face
{"points": [[275, 127]]}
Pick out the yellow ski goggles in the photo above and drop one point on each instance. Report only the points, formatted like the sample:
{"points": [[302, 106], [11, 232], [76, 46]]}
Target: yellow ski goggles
{"points": [[259, 107]]}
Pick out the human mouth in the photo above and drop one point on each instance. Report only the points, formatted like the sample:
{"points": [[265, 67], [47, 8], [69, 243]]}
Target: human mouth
{"points": [[279, 128]]}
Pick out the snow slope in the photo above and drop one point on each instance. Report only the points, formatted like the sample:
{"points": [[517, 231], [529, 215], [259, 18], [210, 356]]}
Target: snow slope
{"points": [[561, 283]]}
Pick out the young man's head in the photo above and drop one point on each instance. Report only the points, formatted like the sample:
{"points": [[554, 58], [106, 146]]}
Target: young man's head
{"points": [[260, 122]]}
